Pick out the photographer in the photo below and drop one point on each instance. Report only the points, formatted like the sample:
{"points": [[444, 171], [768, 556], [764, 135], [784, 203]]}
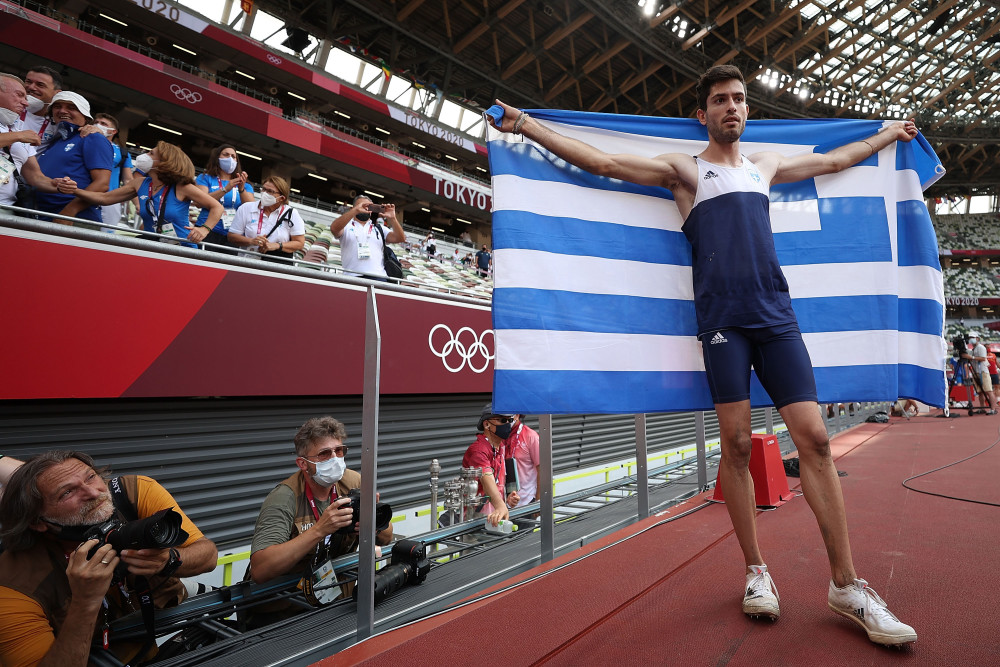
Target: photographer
{"points": [[55, 600], [301, 521], [982, 368], [362, 239]]}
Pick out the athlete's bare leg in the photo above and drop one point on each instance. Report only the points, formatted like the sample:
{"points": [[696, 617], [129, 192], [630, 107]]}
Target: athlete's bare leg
{"points": [[821, 485], [734, 476]]}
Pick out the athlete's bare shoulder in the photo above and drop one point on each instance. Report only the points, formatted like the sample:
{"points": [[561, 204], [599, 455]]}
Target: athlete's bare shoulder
{"points": [[681, 172], [767, 163]]}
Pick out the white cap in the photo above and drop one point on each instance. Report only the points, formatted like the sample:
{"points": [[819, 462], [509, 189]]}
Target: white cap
{"points": [[974, 334], [78, 100]]}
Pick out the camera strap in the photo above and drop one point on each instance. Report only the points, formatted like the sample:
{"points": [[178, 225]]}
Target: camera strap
{"points": [[315, 510], [120, 499], [124, 505]]}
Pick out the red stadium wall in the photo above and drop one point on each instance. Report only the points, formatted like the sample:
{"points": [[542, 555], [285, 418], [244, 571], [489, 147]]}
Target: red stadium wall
{"points": [[107, 322]]}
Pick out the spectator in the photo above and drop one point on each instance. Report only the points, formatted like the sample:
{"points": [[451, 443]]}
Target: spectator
{"points": [[982, 369], [457, 257], [487, 454], [17, 144], [224, 180], [483, 261], [165, 193], [522, 446], [51, 593], [277, 228], [121, 171], [297, 528], [86, 160], [362, 240], [41, 83], [430, 247], [465, 238]]}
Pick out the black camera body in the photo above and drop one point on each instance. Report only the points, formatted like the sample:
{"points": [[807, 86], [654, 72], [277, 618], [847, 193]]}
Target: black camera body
{"points": [[383, 513], [408, 565], [159, 531]]}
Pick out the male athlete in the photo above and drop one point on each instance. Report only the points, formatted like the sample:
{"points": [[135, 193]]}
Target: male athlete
{"points": [[745, 319]]}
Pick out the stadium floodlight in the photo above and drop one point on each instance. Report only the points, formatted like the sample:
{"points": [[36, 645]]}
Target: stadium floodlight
{"points": [[297, 40]]}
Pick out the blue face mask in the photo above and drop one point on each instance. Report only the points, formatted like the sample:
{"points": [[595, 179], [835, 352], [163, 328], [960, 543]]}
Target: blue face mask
{"points": [[227, 164]]}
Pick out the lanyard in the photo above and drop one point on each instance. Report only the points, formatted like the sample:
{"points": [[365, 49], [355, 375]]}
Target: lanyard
{"points": [[232, 202], [312, 500], [369, 226], [260, 220], [158, 221]]}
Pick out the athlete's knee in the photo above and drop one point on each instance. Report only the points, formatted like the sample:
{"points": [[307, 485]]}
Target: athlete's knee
{"points": [[736, 450], [814, 442]]}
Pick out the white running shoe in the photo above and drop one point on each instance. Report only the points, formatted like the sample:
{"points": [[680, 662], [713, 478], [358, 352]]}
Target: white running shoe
{"points": [[761, 597], [862, 605]]}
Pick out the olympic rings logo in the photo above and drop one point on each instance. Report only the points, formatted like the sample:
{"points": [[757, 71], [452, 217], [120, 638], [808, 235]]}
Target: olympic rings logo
{"points": [[467, 351], [275, 60], [182, 93]]}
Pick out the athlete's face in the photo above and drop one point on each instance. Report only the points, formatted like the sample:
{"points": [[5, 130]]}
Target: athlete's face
{"points": [[726, 112]]}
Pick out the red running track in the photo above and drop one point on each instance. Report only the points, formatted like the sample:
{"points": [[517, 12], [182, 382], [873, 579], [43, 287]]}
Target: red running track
{"points": [[672, 595]]}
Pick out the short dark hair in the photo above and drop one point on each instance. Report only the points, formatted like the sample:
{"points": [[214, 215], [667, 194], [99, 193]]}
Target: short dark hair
{"points": [[318, 428], [22, 502], [715, 75], [57, 81]]}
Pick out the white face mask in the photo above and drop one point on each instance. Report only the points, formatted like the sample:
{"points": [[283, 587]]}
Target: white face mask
{"points": [[267, 199], [329, 472], [108, 131], [8, 117], [143, 163], [227, 164], [34, 104]]}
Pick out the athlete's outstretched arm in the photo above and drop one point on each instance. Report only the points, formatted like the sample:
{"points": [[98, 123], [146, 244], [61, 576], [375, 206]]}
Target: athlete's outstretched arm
{"points": [[659, 171], [799, 167]]}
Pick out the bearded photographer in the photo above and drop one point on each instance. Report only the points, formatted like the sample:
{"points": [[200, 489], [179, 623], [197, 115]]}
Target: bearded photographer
{"points": [[56, 597], [307, 519]]}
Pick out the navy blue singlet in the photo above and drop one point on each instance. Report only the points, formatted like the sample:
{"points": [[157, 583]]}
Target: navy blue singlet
{"points": [[737, 279]]}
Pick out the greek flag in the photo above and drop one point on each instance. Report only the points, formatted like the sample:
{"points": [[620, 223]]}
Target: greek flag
{"points": [[593, 302]]}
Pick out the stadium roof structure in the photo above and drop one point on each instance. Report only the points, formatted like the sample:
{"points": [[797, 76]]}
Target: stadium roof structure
{"points": [[935, 60]]}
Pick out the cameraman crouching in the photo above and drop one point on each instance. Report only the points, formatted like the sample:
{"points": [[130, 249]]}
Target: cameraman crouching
{"points": [[54, 601], [300, 523]]}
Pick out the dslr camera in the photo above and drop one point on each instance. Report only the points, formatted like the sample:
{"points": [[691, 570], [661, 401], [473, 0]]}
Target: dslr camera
{"points": [[383, 513], [160, 531], [409, 565]]}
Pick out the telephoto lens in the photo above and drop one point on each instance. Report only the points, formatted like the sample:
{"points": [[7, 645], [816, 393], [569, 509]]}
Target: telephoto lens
{"points": [[409, 565], [159, 531]]}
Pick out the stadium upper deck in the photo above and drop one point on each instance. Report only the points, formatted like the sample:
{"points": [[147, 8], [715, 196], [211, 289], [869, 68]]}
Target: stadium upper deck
{"points": [[329, 137]]}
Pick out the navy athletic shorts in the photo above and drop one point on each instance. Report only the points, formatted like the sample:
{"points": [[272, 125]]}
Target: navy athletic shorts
{"points": [[777, 354]]}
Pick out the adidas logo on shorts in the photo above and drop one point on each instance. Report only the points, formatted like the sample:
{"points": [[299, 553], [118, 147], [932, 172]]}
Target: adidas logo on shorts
{"points": [[718, 338]]}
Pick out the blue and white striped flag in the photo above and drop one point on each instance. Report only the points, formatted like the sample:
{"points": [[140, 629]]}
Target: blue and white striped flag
{"points": [[593, 301]]}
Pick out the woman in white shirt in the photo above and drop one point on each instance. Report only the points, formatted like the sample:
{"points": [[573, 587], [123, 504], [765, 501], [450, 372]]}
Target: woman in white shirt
{"points": [[269, 226], [362, 238]]}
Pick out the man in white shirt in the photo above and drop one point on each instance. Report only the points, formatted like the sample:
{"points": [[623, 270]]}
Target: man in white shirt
{"points": [[983, 372], [41, 84], [17, 152], [362, 239]]}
